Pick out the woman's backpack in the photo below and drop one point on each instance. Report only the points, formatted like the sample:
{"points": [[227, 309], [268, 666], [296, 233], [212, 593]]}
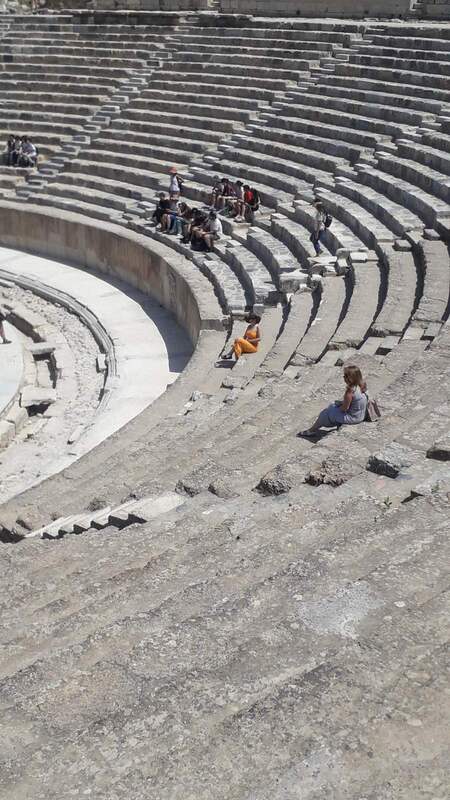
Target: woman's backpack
{"points": [[373, 412], [328, 220]]}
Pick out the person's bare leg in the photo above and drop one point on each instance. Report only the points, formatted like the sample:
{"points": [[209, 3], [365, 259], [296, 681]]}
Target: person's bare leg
{"points": [[313, 428]]}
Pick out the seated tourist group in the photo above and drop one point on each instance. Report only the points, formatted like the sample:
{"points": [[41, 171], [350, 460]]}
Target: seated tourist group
{"points": [[201, 227], [20, 152]]}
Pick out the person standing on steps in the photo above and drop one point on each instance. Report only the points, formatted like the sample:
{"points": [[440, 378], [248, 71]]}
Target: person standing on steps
{"points": [[350, 411], [249, 342], [175, 184], [2, 327], [319, 226]]}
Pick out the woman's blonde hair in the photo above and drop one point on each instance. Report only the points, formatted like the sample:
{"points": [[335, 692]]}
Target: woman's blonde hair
{"points": [[353, 376]]}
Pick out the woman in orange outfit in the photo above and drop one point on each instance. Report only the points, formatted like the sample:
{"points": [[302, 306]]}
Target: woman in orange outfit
{"points": [[251, 339]]}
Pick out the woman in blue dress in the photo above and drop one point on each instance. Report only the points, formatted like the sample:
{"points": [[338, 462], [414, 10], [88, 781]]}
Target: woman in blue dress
{"points": [[350, 411]]}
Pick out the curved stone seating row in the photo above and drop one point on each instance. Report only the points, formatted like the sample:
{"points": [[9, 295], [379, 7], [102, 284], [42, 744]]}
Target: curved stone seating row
{"points": [[395, 217], [433, 211], [233, 295], [434, 303], [386, 381]]}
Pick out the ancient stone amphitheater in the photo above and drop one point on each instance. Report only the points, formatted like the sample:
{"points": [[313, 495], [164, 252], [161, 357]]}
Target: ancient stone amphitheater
{"points": [[197, 604]]}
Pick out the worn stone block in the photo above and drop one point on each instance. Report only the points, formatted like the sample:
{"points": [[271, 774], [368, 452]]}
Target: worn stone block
{"points": [[391, 461], [440, 450]]}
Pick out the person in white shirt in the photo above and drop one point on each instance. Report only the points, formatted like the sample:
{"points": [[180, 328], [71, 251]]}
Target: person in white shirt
{"points": [[213, 230], [175, 184], [210, 231], [28, 153]]}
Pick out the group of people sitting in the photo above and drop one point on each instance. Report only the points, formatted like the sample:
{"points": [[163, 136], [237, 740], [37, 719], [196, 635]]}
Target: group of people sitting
{"points": [[201, 227], [237, 200], [197, 226], [20, 152]]}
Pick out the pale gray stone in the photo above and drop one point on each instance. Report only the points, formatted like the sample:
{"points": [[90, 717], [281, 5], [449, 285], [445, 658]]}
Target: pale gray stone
{"points": [[391, 461]]}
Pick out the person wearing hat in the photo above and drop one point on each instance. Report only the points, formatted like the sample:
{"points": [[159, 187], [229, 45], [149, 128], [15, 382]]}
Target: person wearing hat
{"points": [[249, 342], [176, 184]]}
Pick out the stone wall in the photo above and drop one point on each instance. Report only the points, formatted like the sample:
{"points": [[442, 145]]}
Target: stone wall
{"points": [[316, 8], [129, 5], [109, 249], [437, 9]]}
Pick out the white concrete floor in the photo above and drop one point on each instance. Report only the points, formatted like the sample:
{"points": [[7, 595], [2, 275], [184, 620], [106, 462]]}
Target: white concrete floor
{"points": [[11, 368], [150, 348]]}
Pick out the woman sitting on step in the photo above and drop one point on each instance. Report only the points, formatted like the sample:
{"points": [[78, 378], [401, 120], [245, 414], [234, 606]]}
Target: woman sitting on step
{"points": [[350, 411], [250, 340]]}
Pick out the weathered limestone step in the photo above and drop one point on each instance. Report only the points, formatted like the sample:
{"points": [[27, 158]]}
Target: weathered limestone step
{"points": [[322, 113], [296, 237], [365, 225], [438, 141], [114, 148], [103, 186], [428, 156], [409, 42], [396, 76], [428, 207], [419, 94], [278, 258], [291, 157], [189, 95], [163, 84], [363, 305], [406, 50], [376, 97], [233, 294], [287, 63], [144, 510], [251, 272], [269, 81], [394, 216], [399, 302], [410, 64], [377, 105], [182, 117], [429, 180], [77, 206], [153, 142], [296, 323], [303, 139], [183, 104], [435, 298], [327, 318]]}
